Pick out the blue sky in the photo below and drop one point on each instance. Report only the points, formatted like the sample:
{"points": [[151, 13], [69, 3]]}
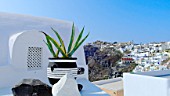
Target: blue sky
{"points": [[108, 20]]}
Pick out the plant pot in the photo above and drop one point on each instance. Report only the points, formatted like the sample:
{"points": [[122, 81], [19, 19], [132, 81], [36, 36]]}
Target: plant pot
{"points": [[58, 67]]}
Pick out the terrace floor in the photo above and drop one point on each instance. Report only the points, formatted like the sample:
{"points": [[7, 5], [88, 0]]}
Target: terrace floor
{"points": [[89, 89], [114, 88]]}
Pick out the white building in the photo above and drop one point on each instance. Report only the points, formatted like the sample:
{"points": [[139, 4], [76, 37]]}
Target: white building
{"points": [[20, 38]]}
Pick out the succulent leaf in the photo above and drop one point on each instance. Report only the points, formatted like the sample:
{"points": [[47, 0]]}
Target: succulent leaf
{"points": [[57, 45], [51, 49], [78, 45], [60, 39], [79, 37], [71, 39]]}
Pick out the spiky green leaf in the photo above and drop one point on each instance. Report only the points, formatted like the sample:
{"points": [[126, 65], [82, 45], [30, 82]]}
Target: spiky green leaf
{"points": [[51, 49], [78, 45], [49, 45], [79, 37], [56, 44], [71, 39], [57, 53], [60, 39]]}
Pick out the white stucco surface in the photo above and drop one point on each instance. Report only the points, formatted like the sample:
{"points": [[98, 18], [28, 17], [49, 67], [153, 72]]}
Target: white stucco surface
{"points": [[66, 86], [147, 84], [20, 33], [13, 25]]}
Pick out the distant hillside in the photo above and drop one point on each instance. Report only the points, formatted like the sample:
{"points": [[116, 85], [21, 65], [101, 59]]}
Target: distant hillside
{"points": [[101, 61]]}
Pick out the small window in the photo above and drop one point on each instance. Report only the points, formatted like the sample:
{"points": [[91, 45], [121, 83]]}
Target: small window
{"points": [[34, 58]]}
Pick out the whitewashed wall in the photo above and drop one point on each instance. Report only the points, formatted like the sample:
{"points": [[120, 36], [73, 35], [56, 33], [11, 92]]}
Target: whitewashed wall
{"points": [[146, 84], [13, 23]]}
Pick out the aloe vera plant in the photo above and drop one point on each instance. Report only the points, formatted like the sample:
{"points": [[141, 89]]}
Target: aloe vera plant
{"points": [[60, 46]]}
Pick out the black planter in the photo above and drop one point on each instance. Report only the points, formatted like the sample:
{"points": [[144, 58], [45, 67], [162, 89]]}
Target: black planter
{"points": [[58, 67]]}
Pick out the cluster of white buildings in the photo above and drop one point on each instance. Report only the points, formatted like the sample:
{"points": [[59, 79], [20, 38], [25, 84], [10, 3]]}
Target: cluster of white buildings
{"points": [[149, 57]]}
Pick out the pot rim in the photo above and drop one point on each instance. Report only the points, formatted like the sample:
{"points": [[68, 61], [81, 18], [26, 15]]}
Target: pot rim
{"points": [[59, 58]]}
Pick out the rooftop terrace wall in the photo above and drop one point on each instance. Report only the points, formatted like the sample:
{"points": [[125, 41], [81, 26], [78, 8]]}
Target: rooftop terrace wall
{"points": [[14, 23]]}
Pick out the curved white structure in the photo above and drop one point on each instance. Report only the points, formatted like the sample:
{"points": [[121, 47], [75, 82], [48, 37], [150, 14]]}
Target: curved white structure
{"points": [[28, 57], [23, 53], [19, 35]]}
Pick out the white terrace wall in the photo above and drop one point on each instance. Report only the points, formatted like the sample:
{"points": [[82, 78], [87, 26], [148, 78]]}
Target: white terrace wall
{"points": [[146, 84], [154, 73], [13, 23]]}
